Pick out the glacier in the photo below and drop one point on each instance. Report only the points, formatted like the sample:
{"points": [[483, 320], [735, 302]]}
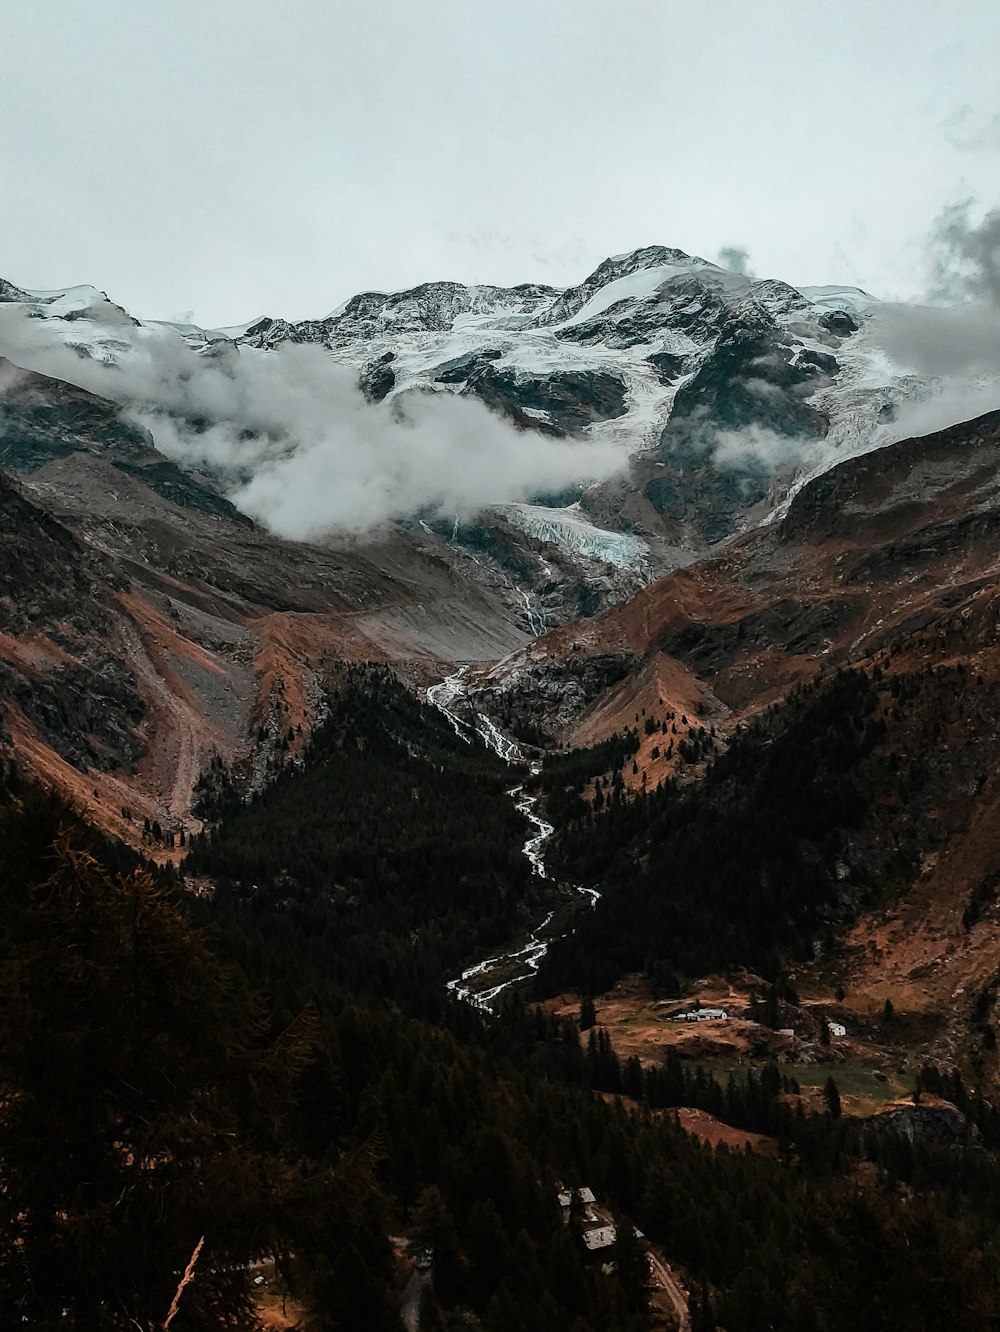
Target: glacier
{"points": [[572, 532]]}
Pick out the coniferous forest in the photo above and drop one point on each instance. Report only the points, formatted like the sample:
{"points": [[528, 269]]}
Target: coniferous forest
{"points": [[280, 1070], [741, 870]]}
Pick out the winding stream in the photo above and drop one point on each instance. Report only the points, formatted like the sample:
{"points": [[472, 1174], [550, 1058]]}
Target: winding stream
{"points": [[514, 965]]}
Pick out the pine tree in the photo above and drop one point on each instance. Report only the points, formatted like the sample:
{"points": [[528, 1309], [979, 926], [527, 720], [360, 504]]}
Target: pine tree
{"points": [[832, 1097], [141, 1098]]}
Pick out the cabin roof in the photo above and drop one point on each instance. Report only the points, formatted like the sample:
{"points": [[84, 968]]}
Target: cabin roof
{"points": [[600, 1238]]}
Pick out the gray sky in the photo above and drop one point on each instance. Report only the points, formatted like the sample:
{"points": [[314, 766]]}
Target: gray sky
{"points": [[230, 158]]}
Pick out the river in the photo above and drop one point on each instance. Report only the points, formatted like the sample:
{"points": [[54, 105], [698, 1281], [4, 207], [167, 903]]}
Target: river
{"points": [[514, 965]]}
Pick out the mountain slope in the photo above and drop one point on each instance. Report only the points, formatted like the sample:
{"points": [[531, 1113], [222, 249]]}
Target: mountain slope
{"points": [[870, 553], [165, 627], [885, 568]]}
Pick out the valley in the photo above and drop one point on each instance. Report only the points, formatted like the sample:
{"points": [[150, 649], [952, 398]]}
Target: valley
{"points": [[500, 667], [484, 982], [637, 829]]}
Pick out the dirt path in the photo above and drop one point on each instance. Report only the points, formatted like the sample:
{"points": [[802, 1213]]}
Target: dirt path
{"points": [[420, 1280], [665, 1280], [659, 1270]]}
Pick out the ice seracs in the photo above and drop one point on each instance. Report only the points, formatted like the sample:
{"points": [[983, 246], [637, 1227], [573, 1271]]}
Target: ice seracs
{"points": [[575, 534]]}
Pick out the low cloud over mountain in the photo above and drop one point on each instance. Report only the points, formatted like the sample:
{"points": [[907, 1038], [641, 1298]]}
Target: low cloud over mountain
{"points": [[295, 442]]}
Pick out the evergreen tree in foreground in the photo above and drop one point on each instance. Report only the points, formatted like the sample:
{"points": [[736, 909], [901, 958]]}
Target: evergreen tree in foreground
{"points": [[139, 1103]]}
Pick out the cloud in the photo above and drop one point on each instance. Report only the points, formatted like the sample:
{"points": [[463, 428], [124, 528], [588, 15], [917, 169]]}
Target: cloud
{"points": [[935, 340], [964, 336], [972, 130], [735, 259], [9, 376], [295, 444], [966, 257], [754, 447], [956, 346], [953, 401]]}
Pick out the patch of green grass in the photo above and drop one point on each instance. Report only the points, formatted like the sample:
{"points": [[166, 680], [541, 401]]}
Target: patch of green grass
{"points": [[854, 1077]]}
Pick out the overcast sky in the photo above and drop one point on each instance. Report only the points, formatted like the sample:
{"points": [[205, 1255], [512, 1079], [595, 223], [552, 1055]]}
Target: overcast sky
{"points": [[230, 158]]}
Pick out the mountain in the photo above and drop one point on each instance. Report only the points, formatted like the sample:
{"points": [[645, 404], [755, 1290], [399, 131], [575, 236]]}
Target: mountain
{"points": [[223, 633], [228, 627], [720, 391], [657, 348], [753, 686]]}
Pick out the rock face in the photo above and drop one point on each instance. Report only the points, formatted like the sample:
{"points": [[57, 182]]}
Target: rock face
{"points": [[460, 369], [61, 672], [750, 385], [561, 403], [8, 292], [939, 1124], [840, 323], [540, 705], [748, 379], [378, 378], [669, 366]]}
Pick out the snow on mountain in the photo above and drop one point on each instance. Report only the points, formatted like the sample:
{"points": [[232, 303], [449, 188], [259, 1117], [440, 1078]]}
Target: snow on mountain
{"points": [[852, 299], [202, 337], [658, 260], [81, 317], [724, 391], [574, 534], [82, 302], [433, 307], [650, 319], [641, 283], [647, 319]]}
